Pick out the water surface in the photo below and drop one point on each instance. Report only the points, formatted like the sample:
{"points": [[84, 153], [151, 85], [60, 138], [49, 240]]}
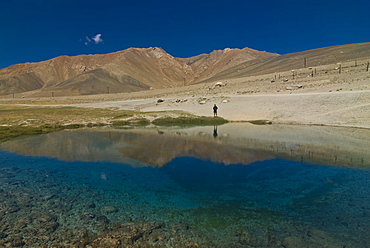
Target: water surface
{"points": [[236, 185]]}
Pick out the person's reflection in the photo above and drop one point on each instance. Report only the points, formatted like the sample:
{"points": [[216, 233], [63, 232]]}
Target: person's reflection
{"points": [[215, 132]]}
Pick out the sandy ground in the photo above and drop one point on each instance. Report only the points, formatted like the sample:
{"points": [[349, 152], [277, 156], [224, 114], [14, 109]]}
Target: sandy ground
{"points": [[339, 108]]}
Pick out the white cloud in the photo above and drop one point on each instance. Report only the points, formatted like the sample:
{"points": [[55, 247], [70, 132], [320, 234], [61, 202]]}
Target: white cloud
{"points": [[95, 39]]}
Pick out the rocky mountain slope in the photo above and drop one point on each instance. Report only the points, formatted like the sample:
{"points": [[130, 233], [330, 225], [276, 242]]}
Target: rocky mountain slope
{"points": [[138, 69], [134, 69], [287, 62]]}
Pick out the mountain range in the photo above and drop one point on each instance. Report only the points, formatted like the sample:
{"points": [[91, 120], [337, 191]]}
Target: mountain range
{"points": [[138, 69]]}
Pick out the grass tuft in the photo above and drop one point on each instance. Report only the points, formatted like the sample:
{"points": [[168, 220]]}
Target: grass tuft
{"points": [[186, 120], [11, 132], [261, 122], [131, 122]]}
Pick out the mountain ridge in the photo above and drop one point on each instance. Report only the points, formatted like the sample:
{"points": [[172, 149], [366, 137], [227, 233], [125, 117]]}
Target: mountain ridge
{"points": [[310, 58], [138, 69], [128, 70]]}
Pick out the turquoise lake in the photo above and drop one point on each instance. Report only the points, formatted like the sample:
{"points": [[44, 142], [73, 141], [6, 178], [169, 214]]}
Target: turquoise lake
{"points": [[235, 185]]}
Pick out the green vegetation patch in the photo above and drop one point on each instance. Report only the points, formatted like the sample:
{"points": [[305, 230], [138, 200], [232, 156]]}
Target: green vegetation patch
{"points": [[125, 114], [10, 132], [130, 122], [37, 116], [261, 122], [120, 123], [16, 120], [189, 120], [73, 126], [141, 121]]}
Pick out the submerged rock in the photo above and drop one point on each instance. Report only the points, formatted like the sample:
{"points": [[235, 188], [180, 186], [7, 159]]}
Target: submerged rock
{"points": [[16, 241], [108, 209], [46, 218], [103, 219], [293, 242], [90, 205], [106, 242], [87, 216]]}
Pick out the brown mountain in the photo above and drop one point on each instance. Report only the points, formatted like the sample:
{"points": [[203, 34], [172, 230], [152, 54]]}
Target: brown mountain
{"points": [[310, 58], [129, 70], [137, 69]]}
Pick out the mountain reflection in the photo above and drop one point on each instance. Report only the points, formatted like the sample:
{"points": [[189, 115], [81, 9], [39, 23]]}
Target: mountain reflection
{"points": [[236, 143]]}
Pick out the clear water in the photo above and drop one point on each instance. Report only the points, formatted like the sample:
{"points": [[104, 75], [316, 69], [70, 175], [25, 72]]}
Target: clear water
{"points": [[201, 190]]}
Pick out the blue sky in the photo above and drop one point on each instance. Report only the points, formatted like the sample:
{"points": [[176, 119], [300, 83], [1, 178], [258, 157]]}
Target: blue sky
{"points": [[37, 30]]}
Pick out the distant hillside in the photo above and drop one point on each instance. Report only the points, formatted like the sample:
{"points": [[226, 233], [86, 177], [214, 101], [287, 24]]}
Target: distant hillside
{"points": [[134, 69], [310, 58]]}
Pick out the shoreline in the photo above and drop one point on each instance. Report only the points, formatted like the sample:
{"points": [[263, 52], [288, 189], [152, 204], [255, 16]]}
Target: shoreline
{"points": [[344, 109], [337, 109]]}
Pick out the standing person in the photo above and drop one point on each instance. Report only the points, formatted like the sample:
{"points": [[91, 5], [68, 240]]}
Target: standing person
{"points": [[215, 110]]}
